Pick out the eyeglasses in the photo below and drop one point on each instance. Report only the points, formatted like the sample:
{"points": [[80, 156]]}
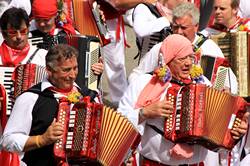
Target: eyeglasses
{"points": [[191, 57], [13, 32], [176, 26]]}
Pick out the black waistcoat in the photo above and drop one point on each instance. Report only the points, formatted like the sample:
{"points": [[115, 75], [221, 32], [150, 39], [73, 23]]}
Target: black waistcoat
{"points": [[44, 111]]}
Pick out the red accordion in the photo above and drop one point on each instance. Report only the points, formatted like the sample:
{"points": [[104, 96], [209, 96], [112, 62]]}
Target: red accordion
{"points": [[93, 133], [203, 115], [27, 75]]}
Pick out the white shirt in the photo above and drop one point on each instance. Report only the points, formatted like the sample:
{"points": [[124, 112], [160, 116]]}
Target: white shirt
{"points": [[244, 9], [153, 145], [146, 23]]}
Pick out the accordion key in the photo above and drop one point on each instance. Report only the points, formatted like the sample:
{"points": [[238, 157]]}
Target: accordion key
{"points": [[203, 116], [7, 82]]}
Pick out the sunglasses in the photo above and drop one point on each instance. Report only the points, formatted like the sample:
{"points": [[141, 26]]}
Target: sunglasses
{"points": [[12, 32]]}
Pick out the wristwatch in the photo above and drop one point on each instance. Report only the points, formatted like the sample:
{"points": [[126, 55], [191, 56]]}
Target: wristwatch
{"points": [[141, 113]]}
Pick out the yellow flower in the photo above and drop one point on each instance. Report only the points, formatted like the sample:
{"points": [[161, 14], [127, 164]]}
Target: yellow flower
{"points": [[241, 27], [74, 97], [63, 17], [162, 71], [196, 71]]}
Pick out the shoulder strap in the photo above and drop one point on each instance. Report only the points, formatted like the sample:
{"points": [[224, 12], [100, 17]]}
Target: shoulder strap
{"points": [[199, 42], [152, 9], [156, 129], [32, 56], [88, 92], [37, 90]]}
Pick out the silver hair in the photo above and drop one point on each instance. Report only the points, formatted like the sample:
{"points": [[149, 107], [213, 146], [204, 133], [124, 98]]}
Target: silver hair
{"points": [[58, 54], [187, 8]]}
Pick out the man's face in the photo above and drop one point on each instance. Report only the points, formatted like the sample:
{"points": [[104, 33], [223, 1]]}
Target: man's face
{"points": [[185, 26], [180, 67], [64, 73], [223, 12], [45, 25], [16, 38]]}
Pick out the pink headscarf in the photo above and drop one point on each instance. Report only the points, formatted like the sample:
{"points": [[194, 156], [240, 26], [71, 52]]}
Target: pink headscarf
{"points": [[174, 46]]}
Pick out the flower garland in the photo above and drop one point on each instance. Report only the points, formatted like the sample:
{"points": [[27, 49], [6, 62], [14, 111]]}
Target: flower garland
{"points": [[61, 15], [74, 97], [242, 26], [196, 73], [163, 73]]}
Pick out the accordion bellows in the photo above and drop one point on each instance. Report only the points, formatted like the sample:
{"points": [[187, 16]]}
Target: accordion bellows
{"points": [[93, 132], [204, 116]]}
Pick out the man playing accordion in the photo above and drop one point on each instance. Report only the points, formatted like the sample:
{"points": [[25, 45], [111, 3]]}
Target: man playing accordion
{"points": [[32, 129], [145, 104]]}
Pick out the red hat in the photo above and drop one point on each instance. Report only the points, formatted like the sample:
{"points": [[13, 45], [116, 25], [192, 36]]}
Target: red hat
{"points": [[44, 9]]}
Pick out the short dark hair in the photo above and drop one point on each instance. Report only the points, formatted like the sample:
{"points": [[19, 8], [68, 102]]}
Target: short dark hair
{"points": [[235, 4], [14, 17], [59, 53]]}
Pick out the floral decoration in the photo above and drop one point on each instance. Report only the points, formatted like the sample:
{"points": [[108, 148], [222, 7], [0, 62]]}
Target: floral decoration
{"points": [[163, 73], [196, 73], [61, 15], [74, 97]]}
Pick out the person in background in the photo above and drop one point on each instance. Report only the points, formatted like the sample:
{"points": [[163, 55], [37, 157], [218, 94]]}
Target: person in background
{"points": [[16, 49], [226, 18], [48, 22]]}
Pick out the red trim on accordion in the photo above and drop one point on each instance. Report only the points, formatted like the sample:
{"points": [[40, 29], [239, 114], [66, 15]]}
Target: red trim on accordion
{"points": [[204, 116], [81, 129]]}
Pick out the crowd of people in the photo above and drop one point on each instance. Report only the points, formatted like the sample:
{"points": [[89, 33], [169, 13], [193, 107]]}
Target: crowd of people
{"points": [[173, 39]]}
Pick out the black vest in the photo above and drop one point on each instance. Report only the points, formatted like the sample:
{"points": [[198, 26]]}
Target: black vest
{"points": [[43, 113]]}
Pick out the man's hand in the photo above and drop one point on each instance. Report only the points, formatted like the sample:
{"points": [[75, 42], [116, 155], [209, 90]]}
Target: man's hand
{"points": [[98, 68], [240, 127], [158, 109], [52, 134]]}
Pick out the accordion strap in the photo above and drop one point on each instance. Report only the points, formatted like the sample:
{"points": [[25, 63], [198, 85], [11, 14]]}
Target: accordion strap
{"points": [[156, 129], [32, 56]]}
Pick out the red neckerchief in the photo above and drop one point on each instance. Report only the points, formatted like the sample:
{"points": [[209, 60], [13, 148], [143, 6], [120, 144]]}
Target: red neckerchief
{"points": [[52, 31], [118, 30], [63, 91], [13, 57], [187, 81], [236, 24]]}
